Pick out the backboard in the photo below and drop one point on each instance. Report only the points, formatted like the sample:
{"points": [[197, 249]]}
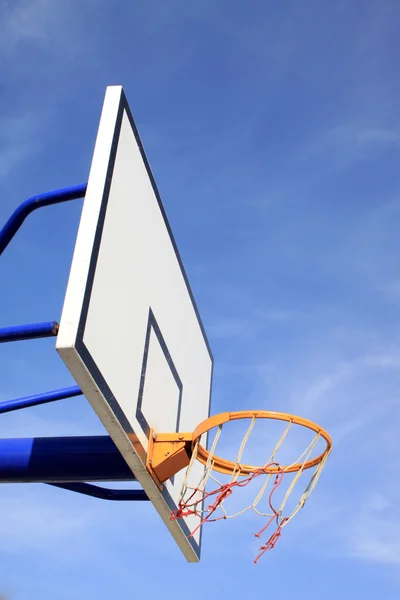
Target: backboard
{"points": [[130, 332]]}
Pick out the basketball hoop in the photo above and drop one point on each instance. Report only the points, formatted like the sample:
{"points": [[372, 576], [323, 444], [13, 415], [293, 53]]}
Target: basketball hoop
{"points": [[180, 450]]}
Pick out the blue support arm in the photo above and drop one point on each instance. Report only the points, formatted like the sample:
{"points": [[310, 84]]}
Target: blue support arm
{"points": [[66, 462], [101, 492], [32, 331], [24, 209], [38, 399], [62, 460]]}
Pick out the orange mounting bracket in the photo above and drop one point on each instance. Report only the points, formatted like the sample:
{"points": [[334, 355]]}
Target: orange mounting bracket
{"points": [[167, 454]]}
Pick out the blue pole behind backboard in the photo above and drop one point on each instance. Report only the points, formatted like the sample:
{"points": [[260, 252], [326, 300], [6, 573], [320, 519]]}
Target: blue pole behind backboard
{"points": [[61, 459], [64, 462], [47, 199], [32, 331], [38, 399], [101, 492]]}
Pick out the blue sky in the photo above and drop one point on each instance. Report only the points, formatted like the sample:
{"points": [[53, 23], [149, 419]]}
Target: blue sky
{"points": [[273, 131]]}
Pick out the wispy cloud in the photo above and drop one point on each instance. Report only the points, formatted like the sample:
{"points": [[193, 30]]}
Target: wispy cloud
{"points": [[286, 144], [315, 393], [225, 327], [379, 137], [38, 23], [379, 550], [340, 146], [26, 423], [392, 290], [375, 536], [20, 136], [257, 320], [26, 515]]}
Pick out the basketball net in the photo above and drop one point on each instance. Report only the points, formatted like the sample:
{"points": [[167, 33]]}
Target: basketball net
{"points": [[211, 505]]}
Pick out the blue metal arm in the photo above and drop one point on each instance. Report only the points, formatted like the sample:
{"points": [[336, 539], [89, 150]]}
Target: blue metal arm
{"points": [[62, 460], [102, 492], [24, 209], [32, 331], [37, 399], [66, 462]]}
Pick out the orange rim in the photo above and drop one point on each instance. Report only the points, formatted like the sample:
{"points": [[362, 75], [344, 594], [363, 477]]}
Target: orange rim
{"points": [[227, 466]]}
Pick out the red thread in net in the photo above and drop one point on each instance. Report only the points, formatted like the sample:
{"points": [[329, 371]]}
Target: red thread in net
{"points": [[273, 539], [189, 506]]}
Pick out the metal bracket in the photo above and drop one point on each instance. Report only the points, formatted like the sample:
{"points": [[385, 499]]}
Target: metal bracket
{"points": [[167, 454]]}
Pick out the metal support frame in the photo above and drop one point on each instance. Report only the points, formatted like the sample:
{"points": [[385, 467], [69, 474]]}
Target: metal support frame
{"points": [[67, 462], [47, 199]]}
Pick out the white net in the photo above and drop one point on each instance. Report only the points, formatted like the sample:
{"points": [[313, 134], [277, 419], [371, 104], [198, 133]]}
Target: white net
{"points": [[211, 499]]}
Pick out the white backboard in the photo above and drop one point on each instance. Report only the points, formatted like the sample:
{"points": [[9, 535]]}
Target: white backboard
{"points": [[130, 332]]}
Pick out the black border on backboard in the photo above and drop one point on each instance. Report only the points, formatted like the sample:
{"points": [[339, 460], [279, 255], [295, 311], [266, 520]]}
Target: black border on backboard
{"points": [[79, 343], [152, 325]]}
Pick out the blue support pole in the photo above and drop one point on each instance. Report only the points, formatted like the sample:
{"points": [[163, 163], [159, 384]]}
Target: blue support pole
{"points": [[62, 460], [24, 209], [38, 399], [66, 462], [101, 492], [32, 331]]}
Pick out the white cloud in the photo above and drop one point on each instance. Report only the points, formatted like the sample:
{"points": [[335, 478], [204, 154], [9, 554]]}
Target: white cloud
{"points": [[41, 24], [24, 21], [20, 135], [258, 319], [226, 327], [24, 423], [34, 522], [28, 27], [378, 136], [281, 315], [392, 290], [378, 550], [375, 534], [323, 386], [340, 146]]}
